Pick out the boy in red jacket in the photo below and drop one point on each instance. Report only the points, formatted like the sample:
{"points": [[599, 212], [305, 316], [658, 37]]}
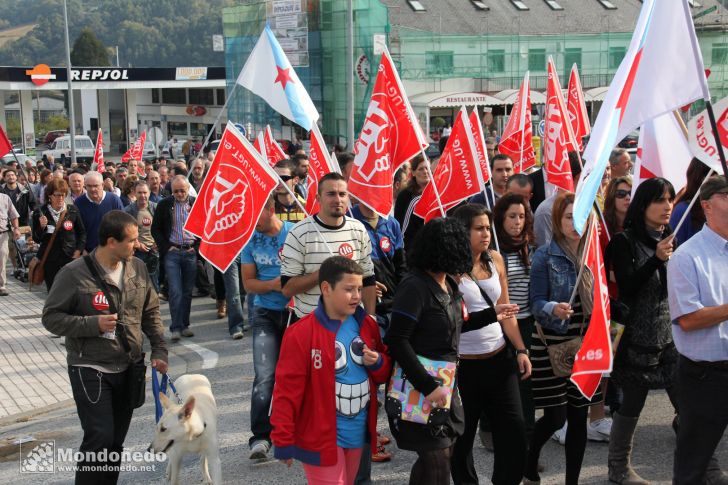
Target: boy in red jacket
{"points": [[331, 361]]}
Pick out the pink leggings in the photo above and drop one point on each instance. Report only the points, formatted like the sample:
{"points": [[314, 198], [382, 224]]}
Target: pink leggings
{"points": [[343, 473]]}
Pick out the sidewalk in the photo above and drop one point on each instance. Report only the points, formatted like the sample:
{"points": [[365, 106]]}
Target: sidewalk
{"points": [[33, 373]]}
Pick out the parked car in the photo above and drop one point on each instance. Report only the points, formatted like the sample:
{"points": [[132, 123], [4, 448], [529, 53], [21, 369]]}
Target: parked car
{"points": [[51, 136], [61, 149], [22, 158], [149, 152], [630, 141]]}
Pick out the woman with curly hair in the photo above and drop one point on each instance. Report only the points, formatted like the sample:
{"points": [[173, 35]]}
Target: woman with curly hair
{"points": [[489, 370], [427, 315]]}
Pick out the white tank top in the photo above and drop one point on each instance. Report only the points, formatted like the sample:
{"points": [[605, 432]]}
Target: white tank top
{"points": [[489, 338]]}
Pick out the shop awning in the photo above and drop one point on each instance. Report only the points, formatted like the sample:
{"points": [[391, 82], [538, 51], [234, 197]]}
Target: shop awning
{"points": [[508, 96], [454, 100], [596, 94]]}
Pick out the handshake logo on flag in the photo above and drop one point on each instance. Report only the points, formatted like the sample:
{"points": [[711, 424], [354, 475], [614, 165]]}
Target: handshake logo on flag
{"points": [[227, 206], [373, 136]]}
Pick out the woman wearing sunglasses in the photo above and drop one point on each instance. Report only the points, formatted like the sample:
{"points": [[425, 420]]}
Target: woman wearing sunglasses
{"points": [[616, 203]]}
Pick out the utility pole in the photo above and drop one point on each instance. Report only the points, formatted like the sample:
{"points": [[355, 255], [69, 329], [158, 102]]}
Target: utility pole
{"points": [[350, 76], [71, 110]]}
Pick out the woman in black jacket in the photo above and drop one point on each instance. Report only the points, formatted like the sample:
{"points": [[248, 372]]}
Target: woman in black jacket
{"points": [[646, 357], [71, 239], [407, 199], [427, 315]]}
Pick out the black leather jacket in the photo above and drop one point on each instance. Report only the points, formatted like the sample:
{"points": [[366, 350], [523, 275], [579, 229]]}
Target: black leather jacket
{"points": [[72, 235]]}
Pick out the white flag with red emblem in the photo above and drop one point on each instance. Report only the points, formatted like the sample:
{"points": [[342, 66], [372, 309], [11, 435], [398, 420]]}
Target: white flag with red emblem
{"points": [[517, 139], [479, 139], [273, 151], [390, 137], [231, 199], [457, 175], [576, 107], [98, 162], [556, 135], [662, 151], [320, 163], [595, 355], [136, 151]]}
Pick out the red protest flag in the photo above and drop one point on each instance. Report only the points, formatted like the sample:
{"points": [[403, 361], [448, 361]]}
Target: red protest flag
{"points": [[556, 135], [595, 356], [231, 199], [99, 153], [389, 138], [320, 164], [259, 145], [5, 145], [516, 141], [576, 107], [136, 152], [456, 176], [273, 150], [479, 139]]}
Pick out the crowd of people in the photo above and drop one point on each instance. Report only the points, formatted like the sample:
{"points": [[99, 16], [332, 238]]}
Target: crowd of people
{"points": [[336, 299]]}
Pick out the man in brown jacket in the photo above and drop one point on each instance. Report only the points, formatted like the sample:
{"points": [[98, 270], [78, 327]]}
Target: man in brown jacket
{"points": [[103, 345]]}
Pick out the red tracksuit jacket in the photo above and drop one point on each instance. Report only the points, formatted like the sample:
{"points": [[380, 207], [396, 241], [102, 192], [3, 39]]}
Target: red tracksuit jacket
{"points": [[303, 413]]}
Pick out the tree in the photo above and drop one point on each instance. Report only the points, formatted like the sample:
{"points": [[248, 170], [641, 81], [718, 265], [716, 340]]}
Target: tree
{"points": [[88, 50]]}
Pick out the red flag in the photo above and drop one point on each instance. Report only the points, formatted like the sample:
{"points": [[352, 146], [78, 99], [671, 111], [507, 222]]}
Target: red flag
{"points": [[259, 145], [595, 356], [390, 137], [136, 152], [480, 147], [516, 141], [319, 165], [576, 107], [99, 153], [5, 145], [456, 175], [273, 150], [556, 135], [231, 199]]}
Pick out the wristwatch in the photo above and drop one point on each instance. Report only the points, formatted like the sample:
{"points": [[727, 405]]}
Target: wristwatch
{"points": [[523, 351]]}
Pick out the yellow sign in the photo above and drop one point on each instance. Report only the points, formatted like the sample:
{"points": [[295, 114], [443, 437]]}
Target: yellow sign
{"points": [[536, 140]]}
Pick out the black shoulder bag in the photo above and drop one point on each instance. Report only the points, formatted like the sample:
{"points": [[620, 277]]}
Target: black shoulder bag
{"points": [[137, 372]]}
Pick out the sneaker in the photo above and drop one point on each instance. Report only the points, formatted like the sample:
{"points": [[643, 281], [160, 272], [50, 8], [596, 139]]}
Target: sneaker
{"points": [[259, 450], [4, 292], [381, 455], [175, 336], [238, 335], [486, 438], [188, 333], [599, 430], [383, 440], [560, 435]]}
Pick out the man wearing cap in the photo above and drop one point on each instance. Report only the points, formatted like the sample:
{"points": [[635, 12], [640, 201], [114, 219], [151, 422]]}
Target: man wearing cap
{"points": [[698, 297]]}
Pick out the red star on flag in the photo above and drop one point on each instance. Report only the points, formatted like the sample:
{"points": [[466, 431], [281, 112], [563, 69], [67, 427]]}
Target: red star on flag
{"points": [[284, 76]]}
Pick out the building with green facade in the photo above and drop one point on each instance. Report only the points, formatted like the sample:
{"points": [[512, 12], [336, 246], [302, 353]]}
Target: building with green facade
{"points": [[449, 52]]}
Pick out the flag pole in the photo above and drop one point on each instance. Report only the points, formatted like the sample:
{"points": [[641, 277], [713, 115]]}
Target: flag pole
{"points": [[217, 119], [582, 263], [718, 143], [692, 202], [434, 185]]}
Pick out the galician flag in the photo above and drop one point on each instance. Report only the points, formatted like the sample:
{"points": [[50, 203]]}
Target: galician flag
{"points": [[662, 71], [268, 74]]}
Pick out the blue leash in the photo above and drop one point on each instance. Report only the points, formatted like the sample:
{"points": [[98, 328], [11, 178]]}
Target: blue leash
{"points": [[158, 387]]}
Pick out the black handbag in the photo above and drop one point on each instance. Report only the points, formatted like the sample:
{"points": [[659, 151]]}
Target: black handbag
{"points": [[137, 371]]}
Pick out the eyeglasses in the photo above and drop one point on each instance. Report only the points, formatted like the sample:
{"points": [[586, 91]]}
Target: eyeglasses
{"points": [[58, 195], [286, 178], [621, 194]]}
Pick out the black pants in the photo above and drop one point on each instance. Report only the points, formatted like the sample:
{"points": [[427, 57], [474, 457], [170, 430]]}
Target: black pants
{"points": [[52, 267], [105, 412], [490, 387], [431, 468], [703, 403], [219, 284], [635, 397]]}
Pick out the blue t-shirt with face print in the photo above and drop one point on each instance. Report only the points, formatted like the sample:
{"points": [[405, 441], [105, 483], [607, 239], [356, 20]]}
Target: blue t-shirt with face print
{"points": [[352, 386]]}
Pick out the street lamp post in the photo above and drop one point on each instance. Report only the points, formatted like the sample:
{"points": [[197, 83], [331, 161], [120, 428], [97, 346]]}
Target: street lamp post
{"points": [[71, 110]]}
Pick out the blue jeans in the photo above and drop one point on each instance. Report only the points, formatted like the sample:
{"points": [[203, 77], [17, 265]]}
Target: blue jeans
{"points": [[181, 269], [231, 277], [268, 328], [151, 259]]}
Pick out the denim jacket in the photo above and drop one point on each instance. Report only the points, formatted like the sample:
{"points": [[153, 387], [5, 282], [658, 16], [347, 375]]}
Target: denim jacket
{"points": [[553, 277]]}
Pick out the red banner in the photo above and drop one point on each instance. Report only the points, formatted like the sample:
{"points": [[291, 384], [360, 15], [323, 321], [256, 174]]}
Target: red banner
{"points": [[595, 356], [258, 144], [576, 107], [136, 152], [99, 153], [479, 140], [231, 199], [319, 165], [456, 176], [556, 135], [390, 137], [5, 145], [517, 141], [273, 151]]}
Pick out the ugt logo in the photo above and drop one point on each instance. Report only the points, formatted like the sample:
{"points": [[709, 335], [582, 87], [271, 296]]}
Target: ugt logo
{"points": [[370, 153], [226, 206]]}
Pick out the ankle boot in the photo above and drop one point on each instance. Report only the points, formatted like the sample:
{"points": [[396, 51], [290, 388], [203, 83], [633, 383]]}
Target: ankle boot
{"points": [[620, 452], [221, 308]]}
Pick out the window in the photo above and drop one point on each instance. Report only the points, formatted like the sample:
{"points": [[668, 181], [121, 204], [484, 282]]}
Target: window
{"points": [[174, 96], [439, 62], [220, 97], [537, 60], [416, 6], [479, 5], [496, 60], [719, 54], [553, 5], [202, 96], [616, 54], [177, 128], [84, 143], [198, 129], [607, 4], [155, 96], [572, 55], [519, 5]]}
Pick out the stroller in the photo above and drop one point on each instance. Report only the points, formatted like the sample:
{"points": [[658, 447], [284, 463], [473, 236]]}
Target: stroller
{"points": [[25, 250]]}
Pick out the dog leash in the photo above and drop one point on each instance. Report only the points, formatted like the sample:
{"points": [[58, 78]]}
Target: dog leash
{"points": [[158, 387]]}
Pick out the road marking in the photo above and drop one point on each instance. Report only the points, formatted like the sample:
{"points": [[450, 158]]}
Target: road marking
{"points": [[209, 357]]}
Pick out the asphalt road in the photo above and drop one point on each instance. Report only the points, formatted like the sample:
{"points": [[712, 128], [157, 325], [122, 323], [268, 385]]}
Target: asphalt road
{"points": [[232, 379]]}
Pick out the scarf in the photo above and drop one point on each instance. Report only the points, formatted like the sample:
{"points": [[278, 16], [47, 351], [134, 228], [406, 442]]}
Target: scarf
{"points": [[56, 213]]}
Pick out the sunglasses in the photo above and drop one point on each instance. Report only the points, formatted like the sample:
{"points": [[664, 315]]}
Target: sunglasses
{"points": [[286, 178], [621, 194]]}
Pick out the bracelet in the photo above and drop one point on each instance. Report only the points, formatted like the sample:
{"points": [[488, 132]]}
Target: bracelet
{"points": [[523, 351]]}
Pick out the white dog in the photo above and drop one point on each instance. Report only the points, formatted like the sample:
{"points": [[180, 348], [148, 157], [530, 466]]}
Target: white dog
{"points": [[190, 428]]}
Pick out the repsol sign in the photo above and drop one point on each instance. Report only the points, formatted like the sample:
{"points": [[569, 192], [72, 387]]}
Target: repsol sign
{"points": [[100, 74]]}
